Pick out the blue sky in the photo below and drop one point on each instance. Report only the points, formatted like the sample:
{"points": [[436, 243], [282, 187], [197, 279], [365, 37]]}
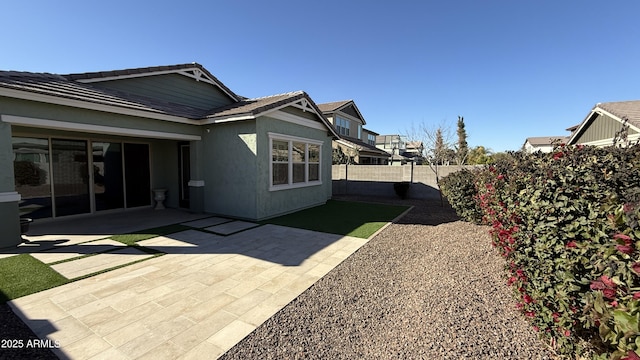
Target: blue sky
{"points": [[512, 68]]}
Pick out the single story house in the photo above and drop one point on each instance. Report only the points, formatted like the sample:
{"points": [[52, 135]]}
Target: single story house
{"points": [[354, 140], [543, 144], [86, 143], [604, 120]]}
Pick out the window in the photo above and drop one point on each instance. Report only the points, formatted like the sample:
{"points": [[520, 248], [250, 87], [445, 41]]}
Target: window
{"points": [[295, 162], [342, 126], [359, 132], [371, 139]]}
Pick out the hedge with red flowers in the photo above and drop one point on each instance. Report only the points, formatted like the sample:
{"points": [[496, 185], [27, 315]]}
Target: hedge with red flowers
{"points": [[567, 224]]}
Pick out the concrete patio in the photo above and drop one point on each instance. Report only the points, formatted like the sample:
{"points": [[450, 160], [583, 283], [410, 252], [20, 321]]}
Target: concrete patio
{"points": [[217, 282]]}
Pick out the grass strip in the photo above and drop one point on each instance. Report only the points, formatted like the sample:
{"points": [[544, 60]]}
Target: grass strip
{"points": [[23, 275], [342, 217]]}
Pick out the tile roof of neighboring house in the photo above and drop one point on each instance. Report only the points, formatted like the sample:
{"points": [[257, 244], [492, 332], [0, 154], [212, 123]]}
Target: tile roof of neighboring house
{"points": [[333, 106], [61, 87], [546, 140], [630, 109], [364, 146]]}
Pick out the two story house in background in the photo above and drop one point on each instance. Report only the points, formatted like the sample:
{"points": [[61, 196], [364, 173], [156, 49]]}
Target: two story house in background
{"points": [[354, 140]]}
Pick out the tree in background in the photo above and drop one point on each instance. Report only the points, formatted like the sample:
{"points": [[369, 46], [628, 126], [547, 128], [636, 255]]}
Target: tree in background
{"points": [[462, 150], [479, 155]]}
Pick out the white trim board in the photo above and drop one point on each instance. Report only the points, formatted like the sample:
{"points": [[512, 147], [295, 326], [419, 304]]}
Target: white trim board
{"points": [[96, 129], [11, 196]]}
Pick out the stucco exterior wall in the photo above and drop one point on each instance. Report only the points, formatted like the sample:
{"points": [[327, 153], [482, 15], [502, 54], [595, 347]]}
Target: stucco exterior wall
{"points": [[229, 164], [272, 203]]}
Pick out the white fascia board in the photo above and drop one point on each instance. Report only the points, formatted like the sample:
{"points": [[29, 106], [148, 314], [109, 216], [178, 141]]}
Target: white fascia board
{"points": [[284, 116], [25, 95], [96, 129], [227, 119], [285, 137]]}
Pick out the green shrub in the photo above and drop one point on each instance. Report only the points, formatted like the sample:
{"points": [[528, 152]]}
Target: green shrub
{"points": [[567, 225]]}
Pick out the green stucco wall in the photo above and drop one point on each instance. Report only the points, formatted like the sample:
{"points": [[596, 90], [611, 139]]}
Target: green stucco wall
{"points": [[230, 173], [274, 203], [601, 128]]}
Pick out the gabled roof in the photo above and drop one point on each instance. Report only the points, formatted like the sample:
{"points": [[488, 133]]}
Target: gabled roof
{"points": [[76, 90], [59, 89], [252, 108], [333, 107], [616, 110], [545, 140], [357, 143], [193, 70]]}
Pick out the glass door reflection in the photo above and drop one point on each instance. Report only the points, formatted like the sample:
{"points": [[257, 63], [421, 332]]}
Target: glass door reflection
{"points": [[70, 177]]}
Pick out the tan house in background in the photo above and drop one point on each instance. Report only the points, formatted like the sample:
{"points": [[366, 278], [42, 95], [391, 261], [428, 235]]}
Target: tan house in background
{"points": [[355, 141], [543, 144]]}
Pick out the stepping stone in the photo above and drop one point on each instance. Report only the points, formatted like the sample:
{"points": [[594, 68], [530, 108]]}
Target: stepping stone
{"points": [[202, 223], [231, 227], [69, 252], [88, 265], [184, 242]]}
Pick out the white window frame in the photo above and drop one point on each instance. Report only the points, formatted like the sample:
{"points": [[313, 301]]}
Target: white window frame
{"points": [[290, 184]]}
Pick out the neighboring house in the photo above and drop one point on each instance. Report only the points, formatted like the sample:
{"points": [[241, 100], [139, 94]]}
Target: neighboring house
{"points": [[606, 119], [543, 144], [91, 142], [401, 150], [355, 141]]}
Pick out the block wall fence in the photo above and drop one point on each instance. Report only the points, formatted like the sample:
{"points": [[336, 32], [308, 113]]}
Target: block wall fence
{"points": [[378, 180]]}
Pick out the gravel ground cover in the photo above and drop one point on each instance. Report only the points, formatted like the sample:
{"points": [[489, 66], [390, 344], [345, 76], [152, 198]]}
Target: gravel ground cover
{"points": [[428, 287]]}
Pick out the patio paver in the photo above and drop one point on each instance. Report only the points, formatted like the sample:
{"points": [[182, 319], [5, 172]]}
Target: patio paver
{"points": [[231, 227], [70, 252], [89, 265], [207, 293], [211, 221]]}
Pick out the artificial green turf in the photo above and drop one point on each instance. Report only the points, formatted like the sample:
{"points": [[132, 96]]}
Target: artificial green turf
{"points": [[342, 217], [23, 274]]}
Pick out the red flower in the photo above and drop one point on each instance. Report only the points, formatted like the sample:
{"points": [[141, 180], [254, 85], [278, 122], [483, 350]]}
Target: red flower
{"points": [[558, 155], [530, 314], [527, 299], [580, 146], [536, 328], [614, 303], [625, 249], [567, 333], [623, 237], [556, 317], [609, 293], [636, 267], [607, 281], [519, 306], [631, 355], [500, 177], [511, 280], [571, 244], [636, 295]]}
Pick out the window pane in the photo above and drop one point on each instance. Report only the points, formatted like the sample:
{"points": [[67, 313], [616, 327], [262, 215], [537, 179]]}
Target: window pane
{"points": [[314, 153], [298, 153], [280, 174], [314, 172], [70, 176], [107, 175], [32, 178], [298, 173], [280, 151]]}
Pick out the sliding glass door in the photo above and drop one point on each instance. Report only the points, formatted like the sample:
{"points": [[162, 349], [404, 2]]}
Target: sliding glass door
{"points": [[70, 165], [59, 177]]}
